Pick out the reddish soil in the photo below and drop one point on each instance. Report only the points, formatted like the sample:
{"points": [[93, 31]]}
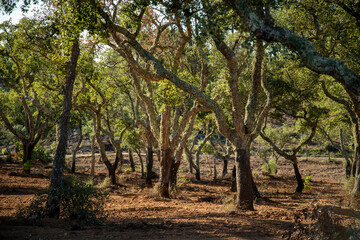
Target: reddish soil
{"points": [[200, 210]]}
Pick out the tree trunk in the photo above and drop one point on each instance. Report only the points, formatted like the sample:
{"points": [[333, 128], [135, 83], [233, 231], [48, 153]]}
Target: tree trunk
{"points": [[300, 183], [244, 194], [149, 165], [192, 165], [356, 162], [28, 149], [215, 170], [253, 184], [355, 193], [53, 200], [254, 187], [76, 150], [141, 163], [92, 171], [233, 180], [197, 160], [112, 175], [119, 160], [166, 160], [166, 154], [343, 151], [225, 166], [57, 133], [173, 174], [197, 174], [131, 159]]}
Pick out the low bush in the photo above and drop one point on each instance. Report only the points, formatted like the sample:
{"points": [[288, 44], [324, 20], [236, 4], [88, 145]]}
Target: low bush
{"points": [[270, 168], [41, 154], [79, 200], [82, 200], [307, 186]]}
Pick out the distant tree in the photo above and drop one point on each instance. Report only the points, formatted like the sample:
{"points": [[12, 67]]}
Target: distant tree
{"points": [[26, 68]]}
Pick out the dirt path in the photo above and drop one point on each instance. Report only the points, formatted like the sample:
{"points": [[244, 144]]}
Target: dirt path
{"points": [[201, 210]]}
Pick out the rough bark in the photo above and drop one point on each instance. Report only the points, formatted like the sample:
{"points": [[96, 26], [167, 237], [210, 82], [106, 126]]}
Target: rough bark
{"points": [[355, 193], [53, 200], [300, 183], [173, 174], [166, 160], [149, 164], [92, 167], [225, 167], [138, 151], [215, 170], [76, 149], [131, 159], [244, 193], [166, 153], [343, 151]]}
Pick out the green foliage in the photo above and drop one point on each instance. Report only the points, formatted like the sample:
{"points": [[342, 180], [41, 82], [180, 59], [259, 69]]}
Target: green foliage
{"points": [[41, 154], [27, 166], [7, 154], [79, 200], [182, 181], [208, 149], [127, 170], [307, 186], [4, 151], [270, 167], [82, 200]]}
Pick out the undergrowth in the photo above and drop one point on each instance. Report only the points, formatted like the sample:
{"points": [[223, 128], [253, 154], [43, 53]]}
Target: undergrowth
{"points": [[320, 223], [80, 200]]}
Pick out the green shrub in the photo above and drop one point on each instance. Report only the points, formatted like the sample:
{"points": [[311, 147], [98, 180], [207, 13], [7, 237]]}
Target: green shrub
{"points": [[127, 170], [82, 200], [27, 166], [7, 154], [181, 181], [41, 154], [270, 168], [79, 200], [4, 151], [307, 186]]}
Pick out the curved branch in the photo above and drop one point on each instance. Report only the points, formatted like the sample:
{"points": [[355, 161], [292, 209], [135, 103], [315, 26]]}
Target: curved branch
{"points": [[305, 50], [11, 129], [341, 101], [161, 71]]}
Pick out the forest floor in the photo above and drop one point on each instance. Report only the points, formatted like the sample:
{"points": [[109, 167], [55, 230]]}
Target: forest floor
{"points": [[200, 210]]}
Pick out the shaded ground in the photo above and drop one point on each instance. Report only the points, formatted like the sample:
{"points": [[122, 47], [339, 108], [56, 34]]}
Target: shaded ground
{"points": [[201, 210]]}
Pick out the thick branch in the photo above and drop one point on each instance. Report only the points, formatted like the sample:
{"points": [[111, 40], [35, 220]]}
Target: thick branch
{"points": [[305, 50], [160, 69]]}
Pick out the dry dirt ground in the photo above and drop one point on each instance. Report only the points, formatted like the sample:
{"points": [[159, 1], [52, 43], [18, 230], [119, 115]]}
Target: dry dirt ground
{"points": [[201, 210]]}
